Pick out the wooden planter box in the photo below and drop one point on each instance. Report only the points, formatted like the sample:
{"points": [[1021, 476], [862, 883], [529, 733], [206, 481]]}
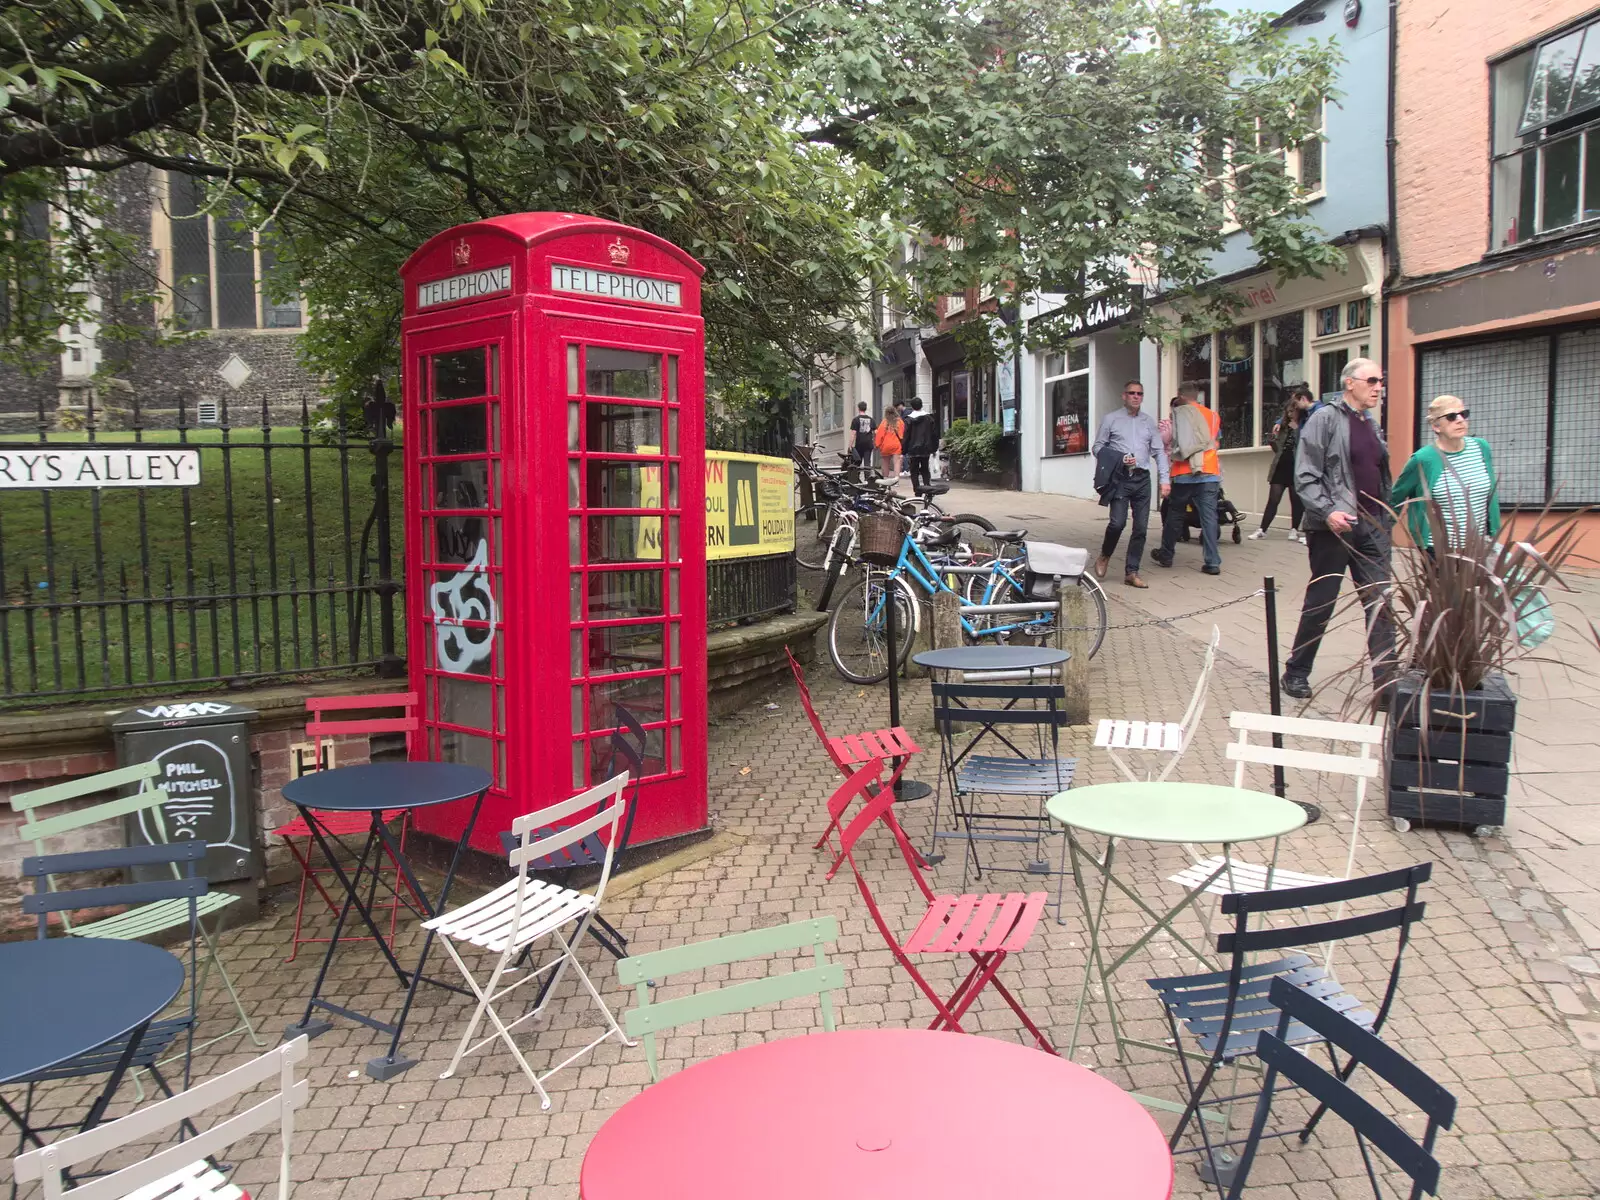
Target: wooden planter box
{"points": [[1451, 764]]}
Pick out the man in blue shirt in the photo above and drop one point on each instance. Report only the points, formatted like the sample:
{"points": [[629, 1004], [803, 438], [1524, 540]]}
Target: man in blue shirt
{"points": [[1130, 444]]}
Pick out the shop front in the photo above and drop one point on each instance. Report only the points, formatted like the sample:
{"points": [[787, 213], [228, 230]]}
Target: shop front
{"points": [[1302, 331], [1071, 390], [1521, 346]]}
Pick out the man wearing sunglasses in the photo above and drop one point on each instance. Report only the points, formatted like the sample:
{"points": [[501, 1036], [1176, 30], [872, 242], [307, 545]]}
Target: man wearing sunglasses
{"points": [[1342, 475]]}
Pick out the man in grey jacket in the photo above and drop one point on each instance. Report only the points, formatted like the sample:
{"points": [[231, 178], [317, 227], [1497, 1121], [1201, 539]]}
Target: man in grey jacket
{"points": [[1342, 475]]}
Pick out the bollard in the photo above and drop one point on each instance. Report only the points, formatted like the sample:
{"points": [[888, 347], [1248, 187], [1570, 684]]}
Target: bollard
{"points": [[945, 626], [1072, 637]]}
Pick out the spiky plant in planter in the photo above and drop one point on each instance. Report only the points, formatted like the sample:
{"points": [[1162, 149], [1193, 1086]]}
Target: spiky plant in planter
{"points": [[1464, 616]]}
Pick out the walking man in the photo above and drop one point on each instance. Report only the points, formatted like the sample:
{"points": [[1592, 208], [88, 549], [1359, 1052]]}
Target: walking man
{"points": [[862, 425], [1342, 475], [1125, 449], [1196, 478], [921, 440]]}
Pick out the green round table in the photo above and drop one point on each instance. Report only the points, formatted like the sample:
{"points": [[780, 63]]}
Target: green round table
{"points": [[1176, 812], [1156, 811]]}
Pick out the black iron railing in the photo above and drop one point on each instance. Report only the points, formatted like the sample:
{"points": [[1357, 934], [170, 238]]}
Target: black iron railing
{"points": [[278, 562]]}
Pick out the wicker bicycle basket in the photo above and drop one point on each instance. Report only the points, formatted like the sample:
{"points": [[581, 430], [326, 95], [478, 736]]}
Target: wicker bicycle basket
{"points": [[878, 538]]}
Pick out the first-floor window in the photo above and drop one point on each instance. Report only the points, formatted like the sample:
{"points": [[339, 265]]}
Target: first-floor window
{"points": [[828, 401], [222, 273], [1066, 401]]}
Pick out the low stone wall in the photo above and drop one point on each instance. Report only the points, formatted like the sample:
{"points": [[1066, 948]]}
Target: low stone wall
{"points": [[746, 664]]}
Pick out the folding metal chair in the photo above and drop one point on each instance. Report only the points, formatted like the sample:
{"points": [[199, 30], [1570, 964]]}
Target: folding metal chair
{"points": [[971, 717], [1231, 875], [650, 1016], [1117, 736], [1332, 1092], [851, 750], [523, 911], [1225, 1012], [143, 920], [296, 834], [185, 1171], [138, 1049], [628, 749], [984, 928]]}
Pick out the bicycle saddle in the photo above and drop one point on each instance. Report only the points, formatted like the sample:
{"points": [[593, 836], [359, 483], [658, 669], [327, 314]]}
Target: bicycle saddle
{"points": [[937, 488], [940, 538], [1007, 535]]}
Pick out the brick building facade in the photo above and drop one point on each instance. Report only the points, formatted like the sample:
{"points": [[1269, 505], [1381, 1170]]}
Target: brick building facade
{"points": [[1498, 207], [217, 343]]}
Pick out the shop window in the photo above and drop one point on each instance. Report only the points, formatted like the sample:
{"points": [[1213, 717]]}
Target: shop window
{"points": [[1236, 386], [1328, 321], [1358, 314], [1283, 365], [1066, 401], [827, 401]]}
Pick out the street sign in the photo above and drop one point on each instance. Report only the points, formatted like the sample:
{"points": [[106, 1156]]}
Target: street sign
{"points": [[100, 467]]}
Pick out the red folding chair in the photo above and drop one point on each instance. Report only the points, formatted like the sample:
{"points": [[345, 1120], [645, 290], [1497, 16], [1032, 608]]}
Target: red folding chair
{"points": [[985, 928], [297, 834], [853, 749]]}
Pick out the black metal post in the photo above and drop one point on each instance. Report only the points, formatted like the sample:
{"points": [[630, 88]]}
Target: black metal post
{"points": [[904, 789], [390, 663], [1269, 587]]}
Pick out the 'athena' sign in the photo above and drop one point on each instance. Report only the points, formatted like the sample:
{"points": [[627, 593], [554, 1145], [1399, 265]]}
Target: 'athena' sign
{"points": [[98, 467], [613, 285]]}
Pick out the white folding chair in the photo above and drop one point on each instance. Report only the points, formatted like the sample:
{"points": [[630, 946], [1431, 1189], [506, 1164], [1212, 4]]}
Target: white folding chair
{"points": [[1362, 766], [1114, 735], [182, 1171], [522, 911]]}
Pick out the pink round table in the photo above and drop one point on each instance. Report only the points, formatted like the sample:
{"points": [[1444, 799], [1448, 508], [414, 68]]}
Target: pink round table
{"points": [[881, 1114]]}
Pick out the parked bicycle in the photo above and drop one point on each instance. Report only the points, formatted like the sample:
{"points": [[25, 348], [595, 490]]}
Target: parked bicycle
{"points": [[858, 624]]}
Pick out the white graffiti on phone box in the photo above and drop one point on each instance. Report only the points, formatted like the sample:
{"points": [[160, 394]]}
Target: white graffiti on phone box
{"points": [[465, 596]]}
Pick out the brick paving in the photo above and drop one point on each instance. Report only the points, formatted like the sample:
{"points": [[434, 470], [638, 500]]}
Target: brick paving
{"points": [[1476, 1008]]}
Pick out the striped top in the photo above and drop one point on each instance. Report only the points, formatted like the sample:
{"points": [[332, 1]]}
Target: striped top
{"points": [[1463, 492]]}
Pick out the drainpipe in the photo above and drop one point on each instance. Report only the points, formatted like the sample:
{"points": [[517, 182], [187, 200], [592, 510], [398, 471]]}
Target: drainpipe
{"points": [[1392, 240]]}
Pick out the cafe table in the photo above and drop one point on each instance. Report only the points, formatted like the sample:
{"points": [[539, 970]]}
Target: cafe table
{"points": [[1190, 814], [62, 997], [376, 789], [880, 1114]]}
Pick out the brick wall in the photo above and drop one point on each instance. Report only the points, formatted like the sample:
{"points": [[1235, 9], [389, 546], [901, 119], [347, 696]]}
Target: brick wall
{"points": [[1442, 119]]}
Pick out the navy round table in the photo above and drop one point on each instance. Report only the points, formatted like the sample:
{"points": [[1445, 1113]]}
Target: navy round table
{"points": [[64, 996], [373, 786], [377, 788], [990, 658]]}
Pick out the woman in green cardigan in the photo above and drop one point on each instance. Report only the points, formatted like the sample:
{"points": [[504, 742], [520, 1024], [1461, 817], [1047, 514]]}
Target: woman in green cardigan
{"points": [[1457, 471]]}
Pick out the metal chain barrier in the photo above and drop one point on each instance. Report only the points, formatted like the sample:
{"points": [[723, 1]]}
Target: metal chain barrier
{"points": [[1199, 612]]}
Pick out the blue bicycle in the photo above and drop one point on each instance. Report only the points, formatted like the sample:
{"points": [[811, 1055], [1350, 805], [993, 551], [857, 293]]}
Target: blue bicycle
{"points": [[858, 626]]}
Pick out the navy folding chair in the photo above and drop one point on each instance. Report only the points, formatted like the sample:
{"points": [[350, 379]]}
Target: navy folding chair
{"points": [[142, 1048], [1226, 1012], [1331, 1091], [980, 726]]}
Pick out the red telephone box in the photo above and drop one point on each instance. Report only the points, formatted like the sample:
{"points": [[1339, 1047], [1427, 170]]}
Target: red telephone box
{"points": [[554, 395]]}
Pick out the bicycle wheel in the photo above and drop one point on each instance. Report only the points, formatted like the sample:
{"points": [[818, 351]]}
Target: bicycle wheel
{"points": [[988, 629], [858, 641], [1096, 616], [813, 527]]}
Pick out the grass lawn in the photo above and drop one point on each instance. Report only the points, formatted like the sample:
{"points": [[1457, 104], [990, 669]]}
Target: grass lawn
{"points": [[272, 520]]}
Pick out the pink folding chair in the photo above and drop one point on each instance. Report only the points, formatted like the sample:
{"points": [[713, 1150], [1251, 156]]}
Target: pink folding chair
{"points": [[986, 928], [296, 834], [852, 749]]}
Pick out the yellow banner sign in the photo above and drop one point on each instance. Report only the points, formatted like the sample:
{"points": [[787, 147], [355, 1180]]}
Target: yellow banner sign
{"points": [[749, 506]]}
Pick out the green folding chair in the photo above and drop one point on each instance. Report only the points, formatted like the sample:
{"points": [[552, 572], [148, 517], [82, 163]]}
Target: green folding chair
{"points": [[142, 920], [643, 970]]}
